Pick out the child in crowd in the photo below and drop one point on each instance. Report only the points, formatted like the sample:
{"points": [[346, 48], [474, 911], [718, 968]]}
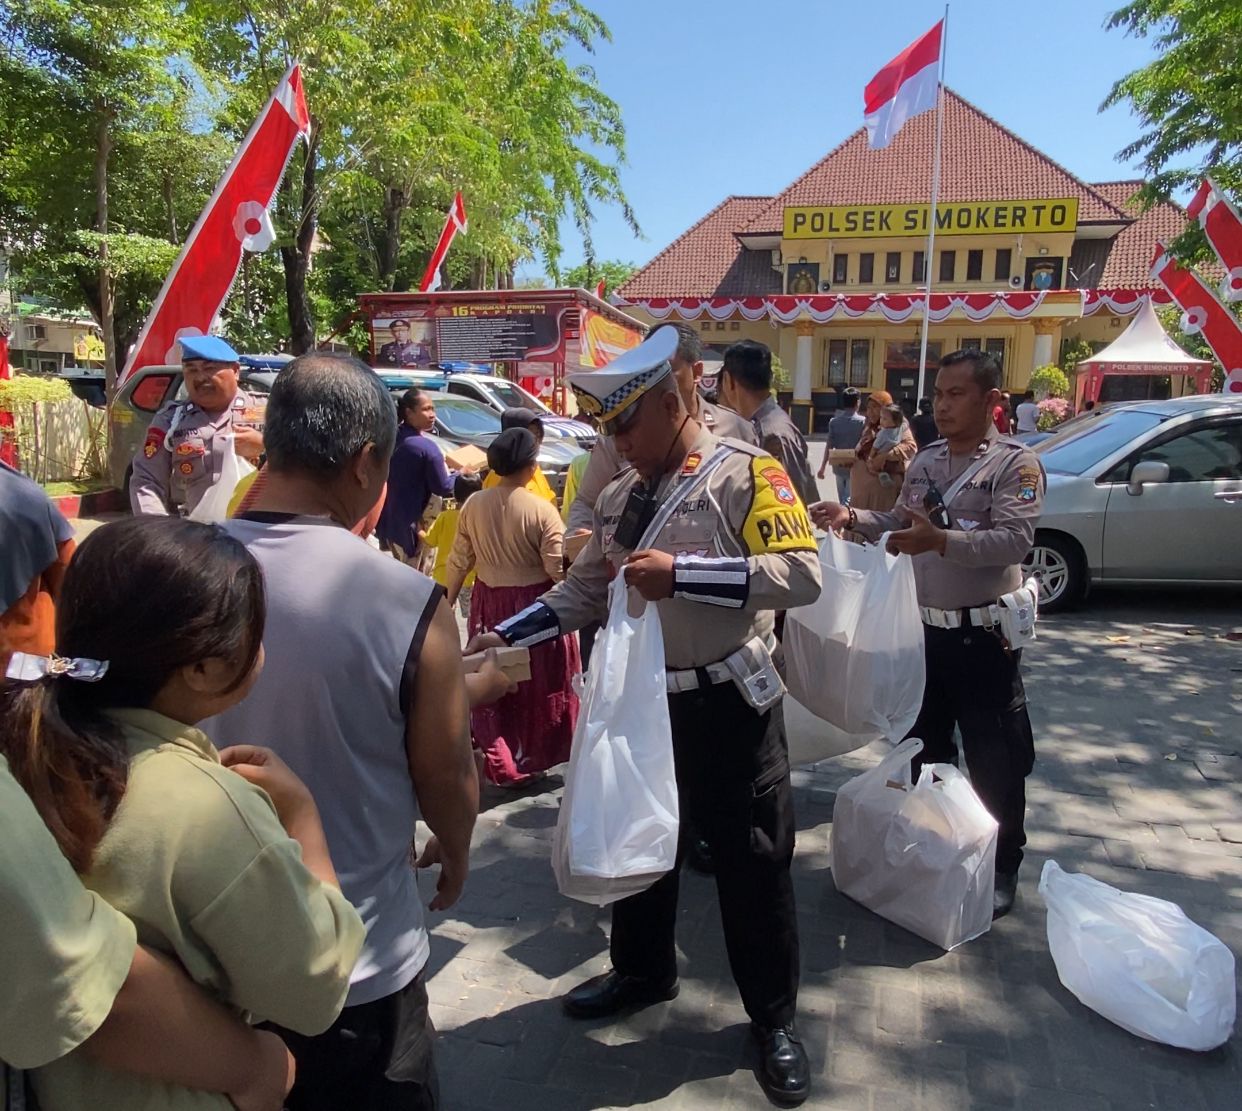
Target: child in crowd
{"points": [[443, 532], [218, 858], [892, 429]]}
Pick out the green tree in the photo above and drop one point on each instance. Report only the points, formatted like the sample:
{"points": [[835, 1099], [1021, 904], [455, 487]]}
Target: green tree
{"points": [[587, 275]]}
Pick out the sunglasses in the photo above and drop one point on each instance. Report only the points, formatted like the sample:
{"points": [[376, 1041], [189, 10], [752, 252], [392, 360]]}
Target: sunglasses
{"points": [[933, 503]]}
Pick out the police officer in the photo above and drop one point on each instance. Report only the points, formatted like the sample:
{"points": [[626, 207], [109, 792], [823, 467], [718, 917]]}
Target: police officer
{"points": [[180, 459], [714, 534], [967, 514], [746, 387]]}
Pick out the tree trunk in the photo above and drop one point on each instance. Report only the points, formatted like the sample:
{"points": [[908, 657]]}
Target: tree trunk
{"points": [[170, 210], [396, 200], [103, 146], [297, 256]]}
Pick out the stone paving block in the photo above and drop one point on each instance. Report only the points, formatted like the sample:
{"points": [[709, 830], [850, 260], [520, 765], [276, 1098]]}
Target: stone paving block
{"points": [[1053, 1099], [899, 1011]]}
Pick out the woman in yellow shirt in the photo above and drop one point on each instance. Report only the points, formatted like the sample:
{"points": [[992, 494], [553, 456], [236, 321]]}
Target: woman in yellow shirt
{"points": [[231, 880], [528, 419]]}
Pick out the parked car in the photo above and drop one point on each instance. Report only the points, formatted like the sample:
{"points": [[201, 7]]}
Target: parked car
{"points": [[479, 384], [147, 390], [1146, 492], [461, 420]]}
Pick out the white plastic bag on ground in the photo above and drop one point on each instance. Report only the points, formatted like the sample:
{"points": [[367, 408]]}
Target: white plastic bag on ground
{"points": [[921, 854], [617, 829], [213, 506], [854, 657], [1139, 961]]}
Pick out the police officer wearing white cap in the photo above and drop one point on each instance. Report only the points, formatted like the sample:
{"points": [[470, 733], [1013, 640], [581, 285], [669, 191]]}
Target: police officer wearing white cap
{"points": [[712, 532], [180, 457]]}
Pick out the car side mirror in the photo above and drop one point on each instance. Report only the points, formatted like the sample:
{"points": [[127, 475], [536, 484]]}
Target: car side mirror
{"points": [[1143, 473]]}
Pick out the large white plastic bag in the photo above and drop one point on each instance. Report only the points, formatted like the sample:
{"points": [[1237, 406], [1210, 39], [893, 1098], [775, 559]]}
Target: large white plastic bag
{"points": [[213, 506], [617, 829], [854, 657], [1139, 961], [922, 855]]}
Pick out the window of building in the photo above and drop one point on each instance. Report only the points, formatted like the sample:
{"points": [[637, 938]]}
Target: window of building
{"points": [[892, 267], [860, 362], [36, 332], [972, 343], [996, 348], [974, 266], [836, 362], [840, 269], [920, 267], [1004, 264], [866, 269], [948, 265]]}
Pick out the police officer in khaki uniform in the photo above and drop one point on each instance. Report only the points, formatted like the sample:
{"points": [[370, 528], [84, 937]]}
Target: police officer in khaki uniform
{"points": [[606, 462], [714, 534], [967, 514], [179, 460]]}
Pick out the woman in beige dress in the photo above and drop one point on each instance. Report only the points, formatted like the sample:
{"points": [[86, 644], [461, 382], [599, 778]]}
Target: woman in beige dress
{"points": [[866, 489]]}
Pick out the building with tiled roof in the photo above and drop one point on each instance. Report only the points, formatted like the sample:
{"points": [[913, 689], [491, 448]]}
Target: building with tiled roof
{"points": [[1027, 258]]}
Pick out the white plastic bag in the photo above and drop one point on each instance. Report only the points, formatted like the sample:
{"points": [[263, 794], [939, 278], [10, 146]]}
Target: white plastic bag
{"points": [[922, 855], [854, 657], [617, 829], [1139, 961], [213, 506]]}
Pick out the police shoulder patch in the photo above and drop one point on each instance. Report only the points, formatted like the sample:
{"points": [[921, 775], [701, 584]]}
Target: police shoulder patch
{"points": [[777, 521]]}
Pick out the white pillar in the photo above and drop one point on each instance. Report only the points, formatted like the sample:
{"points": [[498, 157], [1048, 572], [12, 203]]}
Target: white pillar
{"points": [[802, 365], [1043, 350]]}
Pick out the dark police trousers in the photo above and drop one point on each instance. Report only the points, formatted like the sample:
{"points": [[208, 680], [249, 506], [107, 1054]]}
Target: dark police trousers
{"points": [[975, 683], [734, 791]]}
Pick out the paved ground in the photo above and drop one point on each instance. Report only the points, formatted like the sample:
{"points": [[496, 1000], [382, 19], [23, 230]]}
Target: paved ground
{"points": [[1137, 705]]}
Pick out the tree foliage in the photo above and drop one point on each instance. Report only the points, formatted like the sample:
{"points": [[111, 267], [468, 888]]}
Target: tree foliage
{"points": [[587, 275]]}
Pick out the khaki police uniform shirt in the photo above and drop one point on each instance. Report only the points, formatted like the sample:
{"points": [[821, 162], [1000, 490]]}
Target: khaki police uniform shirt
{"points": [[748, 512], [179, 461], [780, 438], [606, 462], [196, 858], [994, 517], [64, 952]]}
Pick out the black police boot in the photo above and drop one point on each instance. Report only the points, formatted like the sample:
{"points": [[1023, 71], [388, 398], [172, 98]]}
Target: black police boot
{"points": [[1005, 894], [699, 857], [612, 993], [784, 1071]]}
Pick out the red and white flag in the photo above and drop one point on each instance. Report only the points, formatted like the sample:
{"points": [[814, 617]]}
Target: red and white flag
{"points": [[1223, 227], [599, 289], [1203, 314], [903, 88], [235, 220], [454, 223]]}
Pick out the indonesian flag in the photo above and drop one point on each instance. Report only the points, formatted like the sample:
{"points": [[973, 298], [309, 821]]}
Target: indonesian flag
{"points": [[8, 444], [1220, 222], [599, 289], [235, 220], [1203, 314], [903, 88], [454, 223]]}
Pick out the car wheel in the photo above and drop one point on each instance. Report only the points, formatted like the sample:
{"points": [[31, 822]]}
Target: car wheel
{"points": [[1057, 563]]}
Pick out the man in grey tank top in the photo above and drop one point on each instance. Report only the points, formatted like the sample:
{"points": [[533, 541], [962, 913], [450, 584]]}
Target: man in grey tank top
{"points": [[355, 641]]}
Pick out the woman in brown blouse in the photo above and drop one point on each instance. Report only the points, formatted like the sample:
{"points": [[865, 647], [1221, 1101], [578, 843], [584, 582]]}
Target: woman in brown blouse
{"points": [[867, 491]]}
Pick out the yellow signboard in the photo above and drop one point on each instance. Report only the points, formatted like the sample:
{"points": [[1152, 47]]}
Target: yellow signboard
{"points": [[887, 221], [88, 347]]}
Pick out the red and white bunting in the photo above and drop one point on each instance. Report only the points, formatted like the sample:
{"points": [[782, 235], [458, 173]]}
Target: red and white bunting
{"points": [[1203, 314], [455, 222], [1223, 227], [235, 220]]}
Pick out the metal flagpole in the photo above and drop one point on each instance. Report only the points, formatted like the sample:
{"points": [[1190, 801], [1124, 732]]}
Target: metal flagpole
{"points": [[929, 257]]}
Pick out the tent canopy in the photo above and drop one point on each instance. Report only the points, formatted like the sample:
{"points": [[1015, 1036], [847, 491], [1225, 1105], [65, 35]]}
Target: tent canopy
{"points": [[1143, 348]]}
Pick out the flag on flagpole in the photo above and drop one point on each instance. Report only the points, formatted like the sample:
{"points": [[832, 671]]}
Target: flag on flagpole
{"points": [[1223, 227], [235, 220], [599, 289], [903, 88], [455, 222], [1203, 314]]}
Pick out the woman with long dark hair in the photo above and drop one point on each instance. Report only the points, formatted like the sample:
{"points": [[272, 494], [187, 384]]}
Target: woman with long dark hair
{"points": [[159, 626]]}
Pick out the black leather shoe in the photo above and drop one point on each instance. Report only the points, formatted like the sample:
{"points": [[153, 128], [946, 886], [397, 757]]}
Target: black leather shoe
{"points": [[612, 993], [1005, 894], [699, 857], [784, 1072]]}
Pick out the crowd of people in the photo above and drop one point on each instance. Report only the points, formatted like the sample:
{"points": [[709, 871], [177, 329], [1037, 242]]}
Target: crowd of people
{"points": [[216, 740]]}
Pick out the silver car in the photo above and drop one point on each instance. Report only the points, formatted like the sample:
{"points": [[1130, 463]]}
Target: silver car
{"points": [[1146, 492]]}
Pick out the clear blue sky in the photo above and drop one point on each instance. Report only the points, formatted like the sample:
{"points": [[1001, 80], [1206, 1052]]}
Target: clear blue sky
{"points": [[742, 96]]}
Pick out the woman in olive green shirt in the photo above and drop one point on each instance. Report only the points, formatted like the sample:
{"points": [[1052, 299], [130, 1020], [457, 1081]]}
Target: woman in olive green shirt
{"points": [[142, 806]]}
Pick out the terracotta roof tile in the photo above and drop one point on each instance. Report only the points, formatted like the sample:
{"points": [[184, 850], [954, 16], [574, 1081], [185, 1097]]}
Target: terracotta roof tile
{"points": [[982, 160], [1129, 259], [708, 260]]}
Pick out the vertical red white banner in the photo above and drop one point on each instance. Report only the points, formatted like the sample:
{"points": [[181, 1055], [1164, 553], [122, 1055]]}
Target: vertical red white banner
{"points": [[1203, 314], [1223, 227], [8, 445], [236, 219], [455, 222]]}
